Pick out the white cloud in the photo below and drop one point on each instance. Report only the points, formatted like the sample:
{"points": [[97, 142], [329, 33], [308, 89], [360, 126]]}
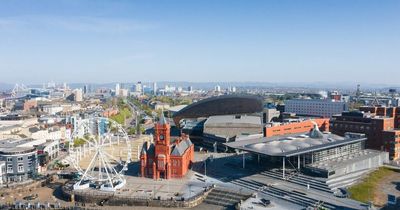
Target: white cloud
{"points": [[78, 23]]}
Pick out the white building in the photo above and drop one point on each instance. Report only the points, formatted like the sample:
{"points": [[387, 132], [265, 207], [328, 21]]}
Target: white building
{"points": [[315, 107], [52, 134], [117, 89], [78, 95], [155, 88], [52, 109], [217, 88], [3, 172], [139, 87], [124, 92]]}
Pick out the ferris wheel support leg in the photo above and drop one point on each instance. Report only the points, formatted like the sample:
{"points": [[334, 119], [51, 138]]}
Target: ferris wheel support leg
{"points": [[84, 150], [115, 171], [106, 169], [80, 152], [88, 168]]}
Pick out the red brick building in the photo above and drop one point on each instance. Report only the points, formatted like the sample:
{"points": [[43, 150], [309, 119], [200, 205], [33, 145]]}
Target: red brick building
{"points": [[166, 158], [30, 104], [110, 112], [391, 143], [296, 127], [380, 124]]}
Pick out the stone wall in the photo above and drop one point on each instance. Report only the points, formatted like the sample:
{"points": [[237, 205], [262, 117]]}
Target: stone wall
{"points": [[113, 199]]}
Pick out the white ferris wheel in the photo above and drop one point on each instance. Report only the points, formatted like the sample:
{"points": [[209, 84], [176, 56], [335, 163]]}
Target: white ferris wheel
{"points": [[100, 151]]}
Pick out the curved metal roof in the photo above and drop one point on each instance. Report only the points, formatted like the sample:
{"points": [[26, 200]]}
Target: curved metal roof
{"points": [[221, 105]]}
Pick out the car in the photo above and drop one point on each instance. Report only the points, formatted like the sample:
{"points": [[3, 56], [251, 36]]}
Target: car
{"points": [[30, 197], [265, 201], [341, 193]]}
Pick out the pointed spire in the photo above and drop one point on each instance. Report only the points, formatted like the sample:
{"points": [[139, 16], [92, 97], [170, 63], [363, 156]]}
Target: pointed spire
{"points": [[162, 120]]}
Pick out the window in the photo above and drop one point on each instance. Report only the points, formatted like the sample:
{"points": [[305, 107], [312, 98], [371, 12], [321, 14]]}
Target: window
{"points": [[9, 159], [20, 167], [20, 159], [160, 164], [9, 169]]}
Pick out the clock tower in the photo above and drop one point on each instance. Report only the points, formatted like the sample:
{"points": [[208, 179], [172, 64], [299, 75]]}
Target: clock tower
{"points": [[162, 149], [164, 159]]}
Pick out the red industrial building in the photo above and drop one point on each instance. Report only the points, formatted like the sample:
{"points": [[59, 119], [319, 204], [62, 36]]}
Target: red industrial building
{"points": [[166, 159]]}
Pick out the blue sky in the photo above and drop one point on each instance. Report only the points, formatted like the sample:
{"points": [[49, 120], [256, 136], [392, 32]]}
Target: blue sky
{"points": [[200, 41]]}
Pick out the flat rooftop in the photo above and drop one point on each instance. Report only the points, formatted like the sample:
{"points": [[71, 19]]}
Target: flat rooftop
{"points": [[339, 162], [15, 146], [233, 119], [290, 145]]}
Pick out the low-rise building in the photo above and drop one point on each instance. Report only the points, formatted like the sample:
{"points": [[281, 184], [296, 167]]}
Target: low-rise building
{"points": [[8, 131], [30, 104], [380, 124], [233, 125], [315, 107], [21, 160], [3, 174], [53, 133], [316, 153], [52, 109], [270, 113], [218, 130], [110, 112], [166, 158], [279, 129], [160, 106]]}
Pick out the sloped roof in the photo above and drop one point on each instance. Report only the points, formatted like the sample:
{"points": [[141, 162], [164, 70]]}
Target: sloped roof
{"points": [[179, 149], [162, 120], [147, 149]]}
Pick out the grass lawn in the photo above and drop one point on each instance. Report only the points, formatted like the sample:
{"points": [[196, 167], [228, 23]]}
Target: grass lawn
{"points": [[367, 188], [122, 115]]}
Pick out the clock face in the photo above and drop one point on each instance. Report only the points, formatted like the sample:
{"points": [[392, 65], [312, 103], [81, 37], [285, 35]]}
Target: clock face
{"points": [[161, 137]]}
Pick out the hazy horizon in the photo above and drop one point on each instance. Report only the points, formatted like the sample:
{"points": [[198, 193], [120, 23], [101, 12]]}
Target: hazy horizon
{"points": [[200, 41]]}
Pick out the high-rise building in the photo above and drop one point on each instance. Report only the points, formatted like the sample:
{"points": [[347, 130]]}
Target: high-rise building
{"points": [[117, 89], [78, 95], [190, 89], [217, 88], [124, 92], [85, 89], [139, 87], [155, 88]]}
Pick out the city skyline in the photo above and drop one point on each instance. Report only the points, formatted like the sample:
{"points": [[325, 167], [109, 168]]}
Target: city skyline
{"points": [[261, 41]]}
